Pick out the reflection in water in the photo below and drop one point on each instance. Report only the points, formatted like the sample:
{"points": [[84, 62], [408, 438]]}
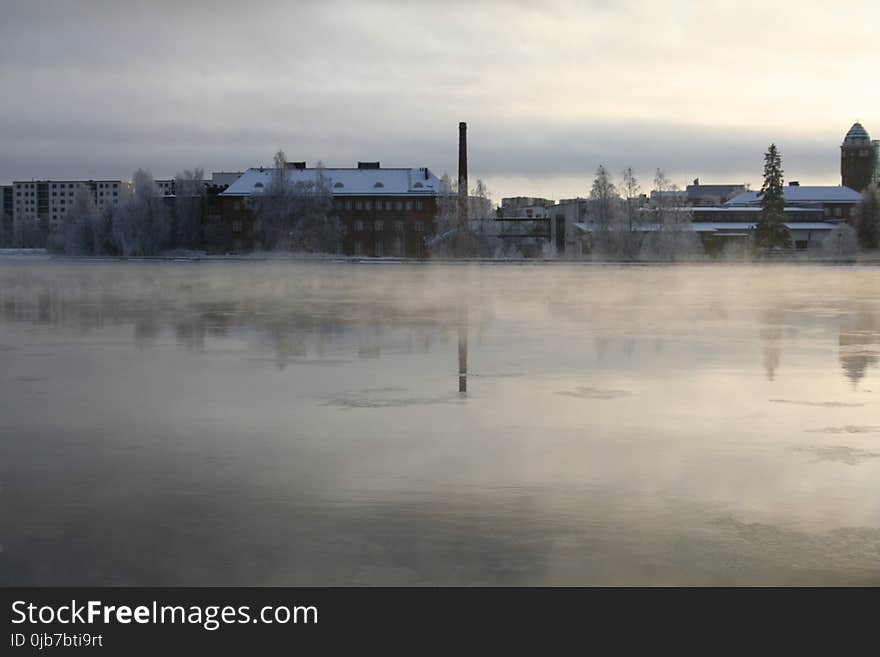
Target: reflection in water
{"points": [[291, 423], [772, 322], [462, 349], [858, 336]]}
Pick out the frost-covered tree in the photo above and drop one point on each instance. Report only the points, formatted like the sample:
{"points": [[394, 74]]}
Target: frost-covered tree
{"points": [[142, 225], [315, 225], [771, 232], [480, 202], [189, 202], [78, 224], [604, 213], [672, 236], [603, 199], [868, 224], [842, 240], [297, 216]]}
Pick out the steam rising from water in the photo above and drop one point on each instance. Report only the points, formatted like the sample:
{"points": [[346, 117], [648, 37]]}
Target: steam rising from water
{"points": [[182, 423]]}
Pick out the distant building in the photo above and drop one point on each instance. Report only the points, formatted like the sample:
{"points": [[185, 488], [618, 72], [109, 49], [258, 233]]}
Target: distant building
{"points": [[5, 215], [218, 182], [833, 203], [698, 194], [524, 207], [858, 159], [677, 196], [564, 219], [47, 201], [810, 213], [385, 212]]}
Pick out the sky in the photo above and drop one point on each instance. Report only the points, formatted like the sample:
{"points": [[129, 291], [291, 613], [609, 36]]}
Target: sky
{"points": [[550, 90]]}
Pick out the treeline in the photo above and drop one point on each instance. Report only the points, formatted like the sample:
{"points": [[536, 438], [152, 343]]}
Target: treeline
{"points": [[623, 227], [143, 223]]}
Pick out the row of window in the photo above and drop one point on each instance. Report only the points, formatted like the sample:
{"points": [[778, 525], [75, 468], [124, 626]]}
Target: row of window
{"points": [[379, 225], [379, 205], [398, 248]]}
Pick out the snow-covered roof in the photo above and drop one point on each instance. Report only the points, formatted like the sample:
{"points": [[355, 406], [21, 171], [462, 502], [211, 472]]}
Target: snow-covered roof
{"points": [[749, 208], [345, 182], [803, 194], [724, 226]]}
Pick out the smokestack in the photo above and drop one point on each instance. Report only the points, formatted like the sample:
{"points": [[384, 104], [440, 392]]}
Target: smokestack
{"points": [[462, 175]]}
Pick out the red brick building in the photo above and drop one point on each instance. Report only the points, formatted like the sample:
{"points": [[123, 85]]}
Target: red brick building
{"points": [[384, 212]]}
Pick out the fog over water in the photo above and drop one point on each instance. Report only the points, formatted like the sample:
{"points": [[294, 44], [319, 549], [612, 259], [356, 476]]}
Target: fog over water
{"points": [[294, 423]]}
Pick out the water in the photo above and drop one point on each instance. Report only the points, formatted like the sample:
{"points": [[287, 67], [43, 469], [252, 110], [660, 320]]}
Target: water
{"points": [[308, 424]]}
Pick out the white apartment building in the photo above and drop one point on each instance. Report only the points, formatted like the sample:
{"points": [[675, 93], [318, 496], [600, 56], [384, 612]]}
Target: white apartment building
{"points": [[48, 200]]}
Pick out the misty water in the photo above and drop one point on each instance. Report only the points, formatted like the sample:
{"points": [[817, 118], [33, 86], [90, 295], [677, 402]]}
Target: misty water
{"points": [[295, 423]]}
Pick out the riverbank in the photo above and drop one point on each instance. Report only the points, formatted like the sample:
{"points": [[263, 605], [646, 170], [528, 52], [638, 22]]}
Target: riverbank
{"points": [[865, 258]]}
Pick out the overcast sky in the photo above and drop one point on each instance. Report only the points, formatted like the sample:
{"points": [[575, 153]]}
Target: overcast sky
{"points": [[549, 89]]}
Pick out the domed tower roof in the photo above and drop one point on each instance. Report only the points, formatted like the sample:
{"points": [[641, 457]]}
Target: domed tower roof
{"points": [[857, 135]]}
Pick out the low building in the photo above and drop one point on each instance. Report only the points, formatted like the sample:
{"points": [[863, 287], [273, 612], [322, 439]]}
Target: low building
{"points": [[699, 194], [836, 203], [384, 212], [218, 182], [517, 207]]}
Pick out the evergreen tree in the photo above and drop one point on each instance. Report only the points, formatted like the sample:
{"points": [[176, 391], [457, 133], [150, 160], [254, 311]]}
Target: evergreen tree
{"points": [[771, 231], [868, 225]]}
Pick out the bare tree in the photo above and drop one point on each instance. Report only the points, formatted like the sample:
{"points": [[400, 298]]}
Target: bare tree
{"points": [[868, 224], [189, 202], [604, 211], [78, 223], [672, 236], [142, 226], [297, 215]]}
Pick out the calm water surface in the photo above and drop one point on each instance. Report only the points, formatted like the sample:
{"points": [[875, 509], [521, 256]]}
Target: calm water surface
{"points": [[302, 424]]}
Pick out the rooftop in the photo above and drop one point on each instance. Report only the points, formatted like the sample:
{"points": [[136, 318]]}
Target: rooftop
{"points": [[857, 135], [344, 181], [803, 194]]}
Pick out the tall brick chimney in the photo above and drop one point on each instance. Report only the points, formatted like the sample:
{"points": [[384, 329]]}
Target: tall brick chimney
{"points": [[462, 175]]}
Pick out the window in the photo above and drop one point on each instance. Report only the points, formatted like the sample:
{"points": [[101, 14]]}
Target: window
{"points": [[408, 206], [418, 185], [236, 206], [358, 205], [419, 226], [380, 248], [236, 226], [398, 205], [368, 205], [837, 212], [359, 225], [378, 184], [348, 205], [388, 205], [358, 247], [338, 185], [378, 225], [398, 226]]}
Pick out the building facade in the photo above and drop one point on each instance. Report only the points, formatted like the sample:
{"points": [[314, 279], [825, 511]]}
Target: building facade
{"points": [[47, 201], [384, 212]]}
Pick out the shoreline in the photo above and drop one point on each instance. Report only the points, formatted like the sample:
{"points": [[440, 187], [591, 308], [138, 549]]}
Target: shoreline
{"points": [[40, 254]]}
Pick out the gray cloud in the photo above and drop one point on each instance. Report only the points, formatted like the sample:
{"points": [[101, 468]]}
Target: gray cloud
{"points": [[549, 90]]}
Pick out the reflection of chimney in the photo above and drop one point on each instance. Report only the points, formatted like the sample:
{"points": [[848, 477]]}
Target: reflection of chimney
{"points": [[462, 174]]}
